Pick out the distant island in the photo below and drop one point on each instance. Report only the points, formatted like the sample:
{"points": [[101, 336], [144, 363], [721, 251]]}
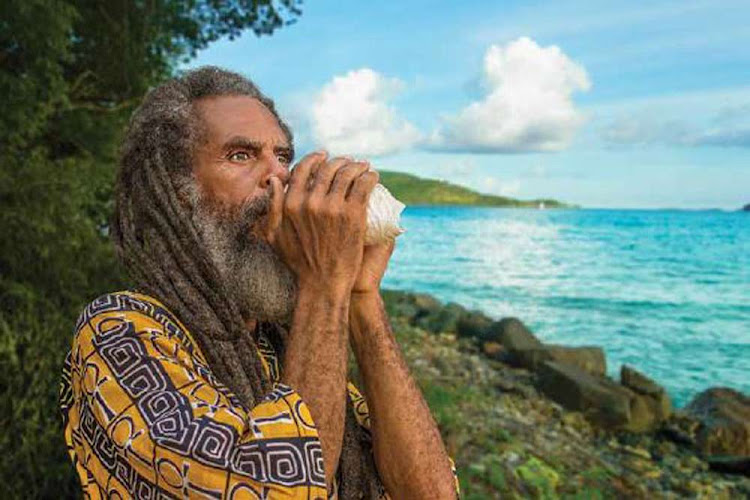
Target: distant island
{"points": [[746, 208], [414, 190]]}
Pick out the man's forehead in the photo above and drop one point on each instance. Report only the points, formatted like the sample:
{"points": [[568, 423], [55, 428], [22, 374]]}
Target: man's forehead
{"points": [[225, 117]]}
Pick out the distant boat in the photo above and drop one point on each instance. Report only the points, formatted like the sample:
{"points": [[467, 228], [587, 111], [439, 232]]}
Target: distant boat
{"points": [[541, 205]]}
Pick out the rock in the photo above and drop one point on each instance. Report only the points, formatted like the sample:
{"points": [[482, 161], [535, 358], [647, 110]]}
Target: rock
{"points": [[633, 379], [602, 401], [494, 350], [473, 324], [724, 416], [440, 320], [652, 405], [425, 303], [588, 359], [513, 335], [677, 435], [511, 387]]}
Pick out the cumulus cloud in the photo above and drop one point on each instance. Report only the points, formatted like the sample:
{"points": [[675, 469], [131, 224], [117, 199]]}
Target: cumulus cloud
{"points": [[351, 115], [527, 104]]}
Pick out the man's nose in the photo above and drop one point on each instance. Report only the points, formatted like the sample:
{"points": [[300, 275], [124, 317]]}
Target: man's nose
{"points": [[276, 169]]}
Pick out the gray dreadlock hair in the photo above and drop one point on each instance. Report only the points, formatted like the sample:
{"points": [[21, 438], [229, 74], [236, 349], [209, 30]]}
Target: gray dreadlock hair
{"points": [[158, 243]]}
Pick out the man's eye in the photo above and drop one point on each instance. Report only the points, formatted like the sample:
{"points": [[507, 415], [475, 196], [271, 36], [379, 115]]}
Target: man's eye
{"points": [[239, 156], [284, 158]]}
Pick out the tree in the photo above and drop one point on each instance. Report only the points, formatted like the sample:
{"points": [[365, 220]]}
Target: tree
{"points": [[71, 73]]}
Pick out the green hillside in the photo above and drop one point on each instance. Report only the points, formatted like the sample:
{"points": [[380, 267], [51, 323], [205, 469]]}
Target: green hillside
{"points": [[414, 190]]}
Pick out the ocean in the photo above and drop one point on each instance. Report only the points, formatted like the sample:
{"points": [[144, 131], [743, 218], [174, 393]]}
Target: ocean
{"points": [[665, 291]]}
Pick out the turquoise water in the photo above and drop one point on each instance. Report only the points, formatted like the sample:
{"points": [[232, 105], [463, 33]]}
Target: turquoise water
{"points": [[665, 291]]}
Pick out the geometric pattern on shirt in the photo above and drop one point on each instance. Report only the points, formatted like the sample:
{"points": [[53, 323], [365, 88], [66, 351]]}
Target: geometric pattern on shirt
{"points": [[169, 417], [171, 420]]}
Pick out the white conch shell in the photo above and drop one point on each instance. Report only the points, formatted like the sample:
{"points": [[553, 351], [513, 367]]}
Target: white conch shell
{"points": [[383, 214]]}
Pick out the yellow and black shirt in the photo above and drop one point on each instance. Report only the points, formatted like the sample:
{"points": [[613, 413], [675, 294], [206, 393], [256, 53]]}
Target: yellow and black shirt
{"points": [[144, 416]]}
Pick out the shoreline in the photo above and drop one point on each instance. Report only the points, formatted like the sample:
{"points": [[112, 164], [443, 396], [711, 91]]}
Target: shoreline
{"points": [[527, 418]]}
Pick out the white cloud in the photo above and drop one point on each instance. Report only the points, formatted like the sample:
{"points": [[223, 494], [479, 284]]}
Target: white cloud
{"points": [[728, 127], [351, 115], [527, 106]]}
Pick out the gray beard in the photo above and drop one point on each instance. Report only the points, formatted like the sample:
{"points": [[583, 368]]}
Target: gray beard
{"points": [[257, 280]]}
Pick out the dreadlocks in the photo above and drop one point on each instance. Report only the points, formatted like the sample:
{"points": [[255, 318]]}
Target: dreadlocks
{"points": [[157, 241]]}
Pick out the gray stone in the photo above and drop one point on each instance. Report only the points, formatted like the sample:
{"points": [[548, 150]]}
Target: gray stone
{"points": [[633, 379], [724, 416], [588, 359], [425, 303], [602, 401], [513, 335], [474, 324], [649, 394]]}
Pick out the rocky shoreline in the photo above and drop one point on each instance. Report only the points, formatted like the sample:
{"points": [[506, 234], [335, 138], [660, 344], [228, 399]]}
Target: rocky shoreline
{"points": [[524, 419]]}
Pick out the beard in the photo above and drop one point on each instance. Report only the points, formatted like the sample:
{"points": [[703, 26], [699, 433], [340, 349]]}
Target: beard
{"points": [[257, 280]]}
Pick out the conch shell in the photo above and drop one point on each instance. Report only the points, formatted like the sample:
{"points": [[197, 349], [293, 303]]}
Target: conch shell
{"points": [[383, 214]]}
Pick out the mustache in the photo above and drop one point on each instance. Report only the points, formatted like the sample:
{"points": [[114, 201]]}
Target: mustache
{"points": [[255, 209]]}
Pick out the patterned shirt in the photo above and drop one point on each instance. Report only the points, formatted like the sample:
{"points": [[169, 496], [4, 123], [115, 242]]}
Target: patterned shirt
{"points": [[144, 416]]}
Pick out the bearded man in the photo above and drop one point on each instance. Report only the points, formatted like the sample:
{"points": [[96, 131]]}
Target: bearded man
{"points": [[223, 373]]}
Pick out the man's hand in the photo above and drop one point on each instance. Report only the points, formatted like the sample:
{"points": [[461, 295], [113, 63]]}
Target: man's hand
{"points": [[374, 263], [318, 226]]}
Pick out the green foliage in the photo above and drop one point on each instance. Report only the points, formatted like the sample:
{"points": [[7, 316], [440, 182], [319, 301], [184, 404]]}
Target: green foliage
{"points": [[540, 477], [413, 190], [71, 73]]}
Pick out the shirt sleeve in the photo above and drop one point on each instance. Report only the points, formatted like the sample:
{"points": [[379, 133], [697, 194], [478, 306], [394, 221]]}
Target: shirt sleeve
{"points": [[362, 413], [154, 420]]}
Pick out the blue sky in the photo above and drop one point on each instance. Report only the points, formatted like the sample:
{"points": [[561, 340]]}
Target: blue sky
{"points": [[605, 104]]}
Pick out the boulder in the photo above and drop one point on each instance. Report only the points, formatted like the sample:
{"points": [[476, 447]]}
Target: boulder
{"points": [[724, 416], [633, 379], [474, 324], [588, 359], [650, 394], [425, 303], [512, 334], [602, 401]]}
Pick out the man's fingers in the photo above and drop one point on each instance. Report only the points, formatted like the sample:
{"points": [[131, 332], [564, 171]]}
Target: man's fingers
{"points": [[345, 176], [363, 186], [276, 210], [325, 175], [301, 172]]}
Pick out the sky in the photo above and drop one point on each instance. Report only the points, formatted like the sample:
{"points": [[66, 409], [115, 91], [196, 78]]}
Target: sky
{"points": [[603, 104]]}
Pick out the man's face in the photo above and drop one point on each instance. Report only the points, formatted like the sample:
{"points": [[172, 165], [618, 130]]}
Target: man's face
{"points": [[243, 147]]}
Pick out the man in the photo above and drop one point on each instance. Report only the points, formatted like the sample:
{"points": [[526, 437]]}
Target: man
{"points": [[223, 374]]}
